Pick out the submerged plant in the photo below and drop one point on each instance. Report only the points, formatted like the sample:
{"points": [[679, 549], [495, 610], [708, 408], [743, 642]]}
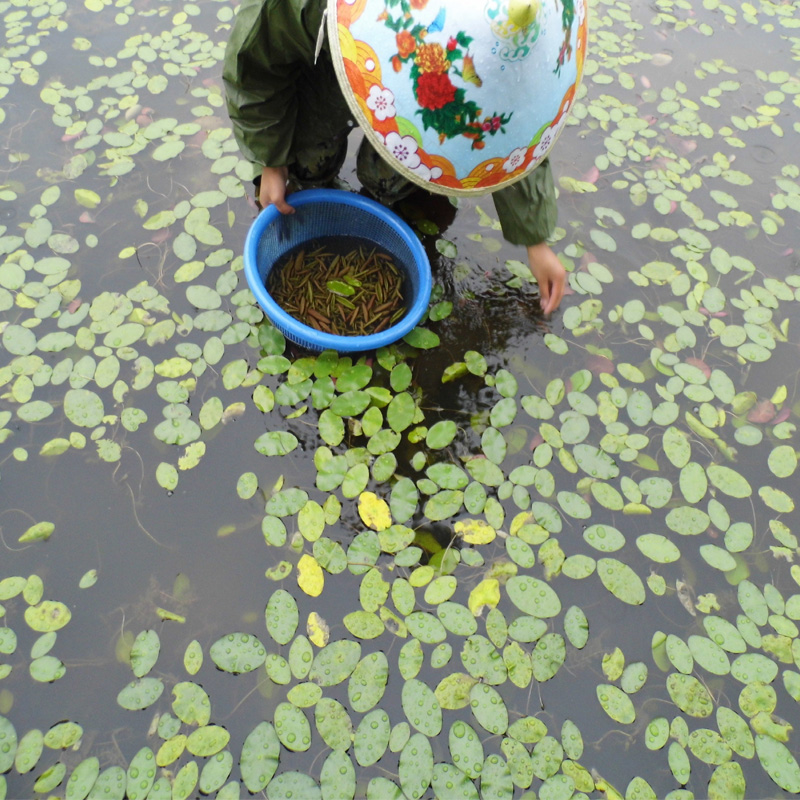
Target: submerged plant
{"points": [[496, 554]]}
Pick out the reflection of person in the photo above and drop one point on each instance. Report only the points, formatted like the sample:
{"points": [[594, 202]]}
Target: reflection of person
{"points": [[290, 117]]}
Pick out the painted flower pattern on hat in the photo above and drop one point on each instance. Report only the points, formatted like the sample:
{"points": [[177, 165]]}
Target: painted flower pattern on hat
{"points": [[460, 97], [443, 107]]}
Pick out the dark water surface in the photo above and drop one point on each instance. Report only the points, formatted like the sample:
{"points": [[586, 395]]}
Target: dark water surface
{"points": [[717, 87]]}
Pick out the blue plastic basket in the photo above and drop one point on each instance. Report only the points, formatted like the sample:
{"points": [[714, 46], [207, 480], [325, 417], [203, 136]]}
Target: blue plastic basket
{"points": [[332, 212]]}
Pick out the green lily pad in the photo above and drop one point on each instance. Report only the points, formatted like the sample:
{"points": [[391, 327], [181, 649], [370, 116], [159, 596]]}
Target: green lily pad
{"points": [[47, 669], [337, 776], [368, 682], [548, 656], [727, 782], [292, 727], [679, 763], [140, 694], [621, 581], [421, 707], [191, 703], [489, 709], [576, 626], [736, 732], [110, 785], [144, 652], [752, 601], [729, 481], [778, 762], [547, 757], [141, 774], [333, 724], [533, 597], [238, 652], [29, 751], [50, 778], [658, 548], [605, 538], [372, 737], [259, 757], [282, 616], [335, 662], [416, 766], [616, 703], [690, 695], [449, 781], [657, 733], [276, 443]]}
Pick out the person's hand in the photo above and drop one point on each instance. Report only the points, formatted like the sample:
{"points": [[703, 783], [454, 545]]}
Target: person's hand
{"points": [[273, 189], [549, 273]]}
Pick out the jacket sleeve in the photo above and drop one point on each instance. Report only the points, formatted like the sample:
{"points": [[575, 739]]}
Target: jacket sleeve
{"points": [[527, 209], [268, 47]]}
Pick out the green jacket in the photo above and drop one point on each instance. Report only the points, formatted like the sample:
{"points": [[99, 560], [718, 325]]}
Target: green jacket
{"points": [[280, 102]]}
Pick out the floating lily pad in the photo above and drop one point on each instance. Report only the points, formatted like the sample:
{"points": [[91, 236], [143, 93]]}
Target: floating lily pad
{"points": [[489, 709], [140, 694], [144, 652], [282, 616], [238, 652], [49, 615], [621, 581], [690, 695], [616, 703], [778, 762], [372, 737], [335, 662], [259, 757], [141, 774], [533, 597], [191, 703]]}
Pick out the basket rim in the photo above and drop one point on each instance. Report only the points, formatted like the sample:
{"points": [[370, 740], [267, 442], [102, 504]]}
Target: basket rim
{"points": [[330, 341]]}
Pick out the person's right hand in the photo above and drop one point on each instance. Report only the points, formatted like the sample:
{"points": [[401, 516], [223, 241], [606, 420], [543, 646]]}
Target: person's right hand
{"points": [[273, 189]]}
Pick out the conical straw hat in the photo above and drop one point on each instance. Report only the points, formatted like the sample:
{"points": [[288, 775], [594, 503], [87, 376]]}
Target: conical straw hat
{"points": [[461, 96]]}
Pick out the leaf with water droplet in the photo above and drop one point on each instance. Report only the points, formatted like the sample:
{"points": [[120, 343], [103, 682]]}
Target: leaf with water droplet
{"points": [[282, 616], [372, 737], [140, 693], [616, 703], [690, 695], [621, 581], [605, 538], [49, 615], [532, 596], [310, 577], [548, 656], [259, 757], [778, 762], [144, 652], [374, 511], [191, 703], [489, 709], [238, 652], [333, 724], [207, 740], [421, 707], [728, 481]]}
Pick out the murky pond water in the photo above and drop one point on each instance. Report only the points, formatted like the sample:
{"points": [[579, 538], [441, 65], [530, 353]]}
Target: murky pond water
{"points": [[510, 555]]}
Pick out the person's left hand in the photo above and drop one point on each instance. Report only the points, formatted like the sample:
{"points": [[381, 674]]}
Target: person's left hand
{"points": [[550, 275]]}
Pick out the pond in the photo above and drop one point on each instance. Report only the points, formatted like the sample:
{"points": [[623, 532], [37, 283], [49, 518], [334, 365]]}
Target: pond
{"points": [[507, 557]]}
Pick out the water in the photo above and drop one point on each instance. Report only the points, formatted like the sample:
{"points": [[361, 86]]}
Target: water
{"points": [[678, 131]]}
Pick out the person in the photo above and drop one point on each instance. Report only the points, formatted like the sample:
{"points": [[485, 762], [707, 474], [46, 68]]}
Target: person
{"points": [[290, 117]]}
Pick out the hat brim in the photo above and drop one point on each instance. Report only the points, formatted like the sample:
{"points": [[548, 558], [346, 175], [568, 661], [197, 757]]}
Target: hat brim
{"points": [[454, 96]]}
